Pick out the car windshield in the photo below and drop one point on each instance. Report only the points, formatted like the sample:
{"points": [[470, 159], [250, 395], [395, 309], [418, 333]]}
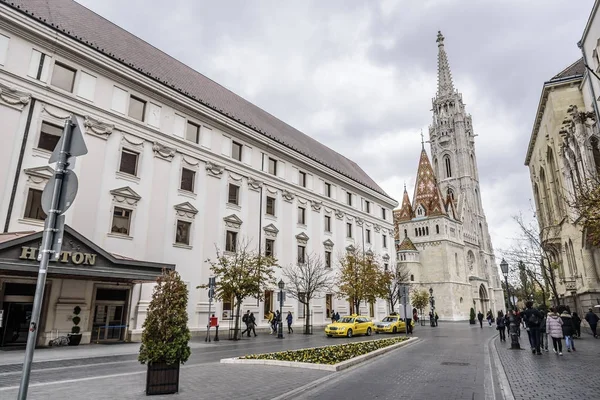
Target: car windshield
{"points": [[347, 320], [389, 319]]}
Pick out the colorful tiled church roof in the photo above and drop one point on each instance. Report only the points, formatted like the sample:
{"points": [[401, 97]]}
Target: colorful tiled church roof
{"points": [[406, 245], [427, 191], [405, 213]]}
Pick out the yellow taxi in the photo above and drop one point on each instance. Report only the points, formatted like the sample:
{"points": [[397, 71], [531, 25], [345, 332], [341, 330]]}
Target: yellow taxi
{"points": [[350, 326], [391, 324]]}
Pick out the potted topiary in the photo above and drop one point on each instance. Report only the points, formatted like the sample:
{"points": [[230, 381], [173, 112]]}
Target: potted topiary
{"points": [[166, 335], [75, 335], [472, 316]]}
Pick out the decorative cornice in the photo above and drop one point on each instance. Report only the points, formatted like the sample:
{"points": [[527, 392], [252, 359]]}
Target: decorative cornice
{"points": [[190, 161], [359, 221], [233, 221], [328, 245], [302, 201], [316, 205], [235, 177], [39, 174], [339, 214], [302, 238], [55, 112], [271, 190], [271, 231], [350, 248], [186, 210], [163, 152], [253, 184], [95, 127], [125, 195], [287, 195], [214, 169], [129, 140], [386, 257], [369, 253], [377, 228], [13, 97]]}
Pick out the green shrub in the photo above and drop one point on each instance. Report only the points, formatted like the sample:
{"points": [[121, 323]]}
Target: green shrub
{"points": [[472, 315], [328, 354], [76, 320]]}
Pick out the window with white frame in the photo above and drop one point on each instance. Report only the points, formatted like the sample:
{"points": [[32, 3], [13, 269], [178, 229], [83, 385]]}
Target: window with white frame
{"points": [[302, 215], [327, 189], [182, 235], [121, 221], [270, 247], [236, 151], [327, 259], [137, 108], [33, 205], [272, 166], [270, 206], [192, 132], [233, 194], [384, 237], [63, 77], [349, 198], [368, 236], [3, 48], [348, 230], [383, 213], [367, 206], [39, 65], [49, 136], [327, 223], [302, 178], [231, 241], [129, 162], [188, 177], [301, 254]]}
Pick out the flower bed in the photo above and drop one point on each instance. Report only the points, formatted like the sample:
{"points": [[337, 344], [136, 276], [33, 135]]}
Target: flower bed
{"points": [[328, 354]]}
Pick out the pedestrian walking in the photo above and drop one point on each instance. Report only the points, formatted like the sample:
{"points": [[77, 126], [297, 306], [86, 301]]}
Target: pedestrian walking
{"points": [[270, 317], [489, 318], [592, 319], [480, 318], [576, 325], [289, 320], [276, 321], [533, 318], [332, 316], [251, 324], [435, 317], [554, 330], [567, 329], [501, 326], [246, 321], [543, 334]]}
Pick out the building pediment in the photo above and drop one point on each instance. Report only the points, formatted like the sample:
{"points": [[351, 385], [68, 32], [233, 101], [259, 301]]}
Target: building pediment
{"points": [[233, 221], [302, 238], [39, 174], [350, 248], [125, 195], [78, 257], [328, 244], [271, 230], [186, 210]]}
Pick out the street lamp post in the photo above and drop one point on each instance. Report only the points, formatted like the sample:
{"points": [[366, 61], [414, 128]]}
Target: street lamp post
{"points": [[504, 268], [432, 302], [281, 285]]}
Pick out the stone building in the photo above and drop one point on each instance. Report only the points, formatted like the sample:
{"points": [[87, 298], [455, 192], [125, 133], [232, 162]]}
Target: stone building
{"points": [[442, 233], [177, 165]]}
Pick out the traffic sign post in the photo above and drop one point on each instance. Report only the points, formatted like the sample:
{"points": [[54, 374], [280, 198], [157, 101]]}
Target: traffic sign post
{"points": [[403, 289], [58, 196]]}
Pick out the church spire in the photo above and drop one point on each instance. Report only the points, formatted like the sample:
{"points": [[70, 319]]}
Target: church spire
{"points": [[445, 85], [406, 212], [427, 201]]}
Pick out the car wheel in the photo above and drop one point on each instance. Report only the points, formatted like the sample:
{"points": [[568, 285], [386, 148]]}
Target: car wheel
{"points": [[395, 330], [328, 335], [368, 331], [349, 334], [377, 332]]}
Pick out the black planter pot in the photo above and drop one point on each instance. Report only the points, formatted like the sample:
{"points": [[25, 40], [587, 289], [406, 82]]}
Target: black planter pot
{"points": [[74, 339], [472, 322], [162, 379]]}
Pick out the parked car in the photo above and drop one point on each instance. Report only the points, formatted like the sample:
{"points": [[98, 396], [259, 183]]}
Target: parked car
{"points": [[350, 325], [391, 324]]}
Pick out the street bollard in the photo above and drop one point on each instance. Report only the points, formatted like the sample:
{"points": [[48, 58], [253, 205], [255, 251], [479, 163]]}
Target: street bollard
{"points": [[514, 334], [216, 333]]}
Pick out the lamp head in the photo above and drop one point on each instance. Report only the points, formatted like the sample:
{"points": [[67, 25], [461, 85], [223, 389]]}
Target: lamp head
{"points": [[281, 284]]}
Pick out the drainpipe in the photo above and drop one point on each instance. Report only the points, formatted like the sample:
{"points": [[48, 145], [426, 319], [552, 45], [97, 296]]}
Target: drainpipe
{"points": [[585, 62], [13, 192]]}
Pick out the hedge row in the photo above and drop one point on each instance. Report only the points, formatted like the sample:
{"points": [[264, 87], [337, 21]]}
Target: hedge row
{"points": [[328, 354]]}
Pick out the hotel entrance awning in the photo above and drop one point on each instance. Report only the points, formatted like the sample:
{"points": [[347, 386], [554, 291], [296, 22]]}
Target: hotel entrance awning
{"points": [[80, 258]]}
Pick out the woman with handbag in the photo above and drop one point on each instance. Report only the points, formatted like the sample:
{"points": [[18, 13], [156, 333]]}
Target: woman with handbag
{"points": [[501, 326]]}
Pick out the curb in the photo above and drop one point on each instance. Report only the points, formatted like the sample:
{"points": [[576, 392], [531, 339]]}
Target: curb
{"points": [[503, 383], [324, 367]]}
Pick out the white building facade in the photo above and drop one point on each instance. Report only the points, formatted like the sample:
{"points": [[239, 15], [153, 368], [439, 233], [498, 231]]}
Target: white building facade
{"points": [[442, 234], [177, 166]]}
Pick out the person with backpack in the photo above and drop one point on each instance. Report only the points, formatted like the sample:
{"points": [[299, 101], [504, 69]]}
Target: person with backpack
{"points": [[533, 319], [543, 334], [480, 318], [592, 319], [554, 330], [251, 324], [567, 329], [332, 316], [576, 326], [246, 321], [289, 320], [269, 317], [501, 326]]}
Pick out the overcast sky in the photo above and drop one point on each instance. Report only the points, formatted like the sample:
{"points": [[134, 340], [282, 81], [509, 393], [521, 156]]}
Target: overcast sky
{"points": [[359, 76]]}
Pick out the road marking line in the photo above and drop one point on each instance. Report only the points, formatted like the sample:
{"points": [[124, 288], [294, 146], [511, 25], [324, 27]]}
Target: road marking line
{"points": [[505, 388], [67, 367], [89, 378], [488, 381]]}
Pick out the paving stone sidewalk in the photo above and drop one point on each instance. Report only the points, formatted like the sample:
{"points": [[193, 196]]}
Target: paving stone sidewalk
{"points": [[212, 381], [572, 376]]}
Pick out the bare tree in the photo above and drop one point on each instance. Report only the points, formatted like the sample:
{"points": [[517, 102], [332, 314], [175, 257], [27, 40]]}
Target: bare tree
{"points": [[399, 276], [305, 281], [532, 259]]}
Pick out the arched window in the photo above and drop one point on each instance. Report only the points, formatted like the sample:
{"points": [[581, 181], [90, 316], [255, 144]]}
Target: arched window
{"points": [[427, 230], [553, 183], [568, 257], [595, 153], [573, 260], [405, 233], [450, 193], [546, 197], [473, 169], [456, 264], [420, 211], [448, 166], [437, 229], [436, 166], [538, 203], [412, 277], [416, 232], [477, 203]]}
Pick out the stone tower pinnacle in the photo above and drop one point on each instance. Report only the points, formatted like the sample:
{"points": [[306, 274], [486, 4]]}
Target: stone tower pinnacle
{"points": [[445, 85]]}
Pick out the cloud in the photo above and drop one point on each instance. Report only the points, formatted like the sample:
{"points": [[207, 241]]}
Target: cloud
{"points": [[359, 76]]}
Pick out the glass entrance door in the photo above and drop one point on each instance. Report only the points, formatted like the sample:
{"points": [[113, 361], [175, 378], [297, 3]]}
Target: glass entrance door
{"points": [[16, 323], [108, 322]]}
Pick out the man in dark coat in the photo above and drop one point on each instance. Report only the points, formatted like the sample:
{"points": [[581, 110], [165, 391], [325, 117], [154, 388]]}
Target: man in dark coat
{"points": [[592, 319], [480, 318], [533, 319]]}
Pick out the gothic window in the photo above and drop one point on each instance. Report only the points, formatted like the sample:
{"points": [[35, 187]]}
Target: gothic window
{"points": [[538, 203], [405, 233], [450, 193], [420, 211], [568, 257], [437, 229], [448, 166], [473, 169], [470, 260], [595, 153], [553, 182], [456, 264], [546, 197], [416, 232], [427, 230], [437, 169], [477, 200], [412, 277], [573, 261]]}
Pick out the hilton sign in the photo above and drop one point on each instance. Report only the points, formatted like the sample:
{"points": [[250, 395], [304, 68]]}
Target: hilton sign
{"points": [[77, 258]]}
